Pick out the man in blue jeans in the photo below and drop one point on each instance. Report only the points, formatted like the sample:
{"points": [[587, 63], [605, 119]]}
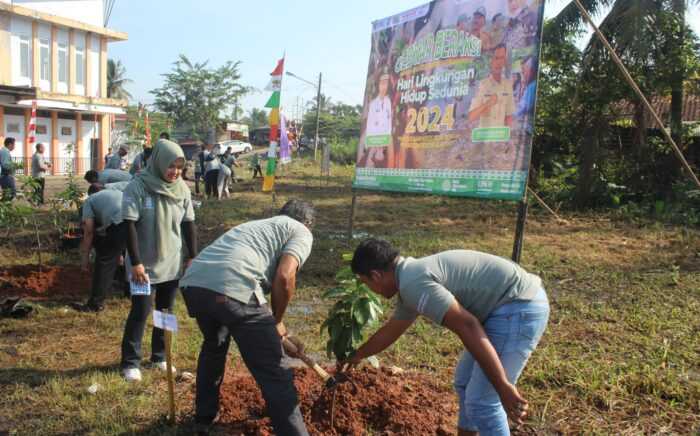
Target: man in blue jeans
{"points": [[498, 310]]}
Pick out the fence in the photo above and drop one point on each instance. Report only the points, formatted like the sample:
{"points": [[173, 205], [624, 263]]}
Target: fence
{"points": [[59, 165]]}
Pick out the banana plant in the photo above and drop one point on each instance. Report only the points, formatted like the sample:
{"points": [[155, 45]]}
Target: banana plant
{"points": [[356, 308]]}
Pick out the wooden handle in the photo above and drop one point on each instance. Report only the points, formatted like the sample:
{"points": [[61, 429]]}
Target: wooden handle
{"points": [[291, 348]]}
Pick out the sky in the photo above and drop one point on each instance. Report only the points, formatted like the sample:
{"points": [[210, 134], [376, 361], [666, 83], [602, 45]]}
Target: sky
{"points": [[327, 36]]}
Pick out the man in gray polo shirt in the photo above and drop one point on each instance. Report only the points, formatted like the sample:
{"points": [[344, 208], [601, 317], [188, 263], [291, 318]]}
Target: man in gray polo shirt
{"points": [[107, 176], [225, 289], [103, 230], [39, 168], [497, 309], [118, 160]]}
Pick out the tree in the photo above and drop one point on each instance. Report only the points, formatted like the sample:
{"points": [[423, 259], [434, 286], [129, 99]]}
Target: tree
{"points": [[116, 80], [256, 118], [195, 96]]}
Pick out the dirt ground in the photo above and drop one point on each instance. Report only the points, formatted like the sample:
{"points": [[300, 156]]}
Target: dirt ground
{"points": [[372, 399]]}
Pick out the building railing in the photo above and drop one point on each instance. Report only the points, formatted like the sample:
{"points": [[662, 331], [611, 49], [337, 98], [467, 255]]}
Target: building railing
{"points": [[59, 165]]}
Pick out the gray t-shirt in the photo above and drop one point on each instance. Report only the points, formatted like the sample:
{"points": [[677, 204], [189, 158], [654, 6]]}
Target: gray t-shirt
{"points": [[113, 176], [116, 162], [6, 164], [213, 164], [139, 205], [119, 186], [138, 164], [38, 165], [105, 207], [479, 282], [243, 261]]}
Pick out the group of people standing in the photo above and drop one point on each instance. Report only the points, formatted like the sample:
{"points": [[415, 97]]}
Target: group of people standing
{"points": [[216, 169]]}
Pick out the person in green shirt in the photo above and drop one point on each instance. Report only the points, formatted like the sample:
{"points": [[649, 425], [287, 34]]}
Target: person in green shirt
{"points": [[497, 309], [158, 212]]}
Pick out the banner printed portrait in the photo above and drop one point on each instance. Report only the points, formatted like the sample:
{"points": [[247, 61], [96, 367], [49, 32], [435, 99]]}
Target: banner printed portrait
{"points": [[449, 101]]}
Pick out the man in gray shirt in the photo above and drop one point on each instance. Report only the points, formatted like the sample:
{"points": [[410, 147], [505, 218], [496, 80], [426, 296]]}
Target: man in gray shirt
{"points": [[7, 170], [107, 176], [225, 289], [118, 160], [103, 230], [39, 168], [497, 309]]}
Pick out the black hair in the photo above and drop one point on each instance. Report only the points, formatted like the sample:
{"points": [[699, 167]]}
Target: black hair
{"points": [[165, 135], [299, 210], [373, 255], [495, 17], [91, 176], [501, 45], [37, 145], [147, 152], [94, 187], [9, 141]]}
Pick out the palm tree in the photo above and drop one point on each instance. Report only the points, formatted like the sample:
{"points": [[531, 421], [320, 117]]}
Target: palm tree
{"points": [[629, 21], [116, 81]]}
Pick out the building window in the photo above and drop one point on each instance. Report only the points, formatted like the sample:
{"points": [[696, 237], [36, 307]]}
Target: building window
{"points": [[24, 57], [45, 60], [12, 128], [41, 129], [63, 63], [66, 131], [80, 66]]}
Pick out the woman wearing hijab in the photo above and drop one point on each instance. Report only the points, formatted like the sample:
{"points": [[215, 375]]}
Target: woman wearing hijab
{"points": [[157, 209]]}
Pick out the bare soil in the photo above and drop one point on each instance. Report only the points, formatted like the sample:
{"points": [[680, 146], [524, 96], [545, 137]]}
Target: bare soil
{"points": [[372, 401], [49, 283]]}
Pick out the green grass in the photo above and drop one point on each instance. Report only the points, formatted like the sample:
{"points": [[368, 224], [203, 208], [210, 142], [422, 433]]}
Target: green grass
{"points": [[621, 354]]}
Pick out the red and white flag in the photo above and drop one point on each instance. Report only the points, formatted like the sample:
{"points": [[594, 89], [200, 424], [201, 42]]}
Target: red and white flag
{"points": [[31, 134]]}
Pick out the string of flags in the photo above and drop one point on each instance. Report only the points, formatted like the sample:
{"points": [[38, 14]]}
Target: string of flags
{"points": [[273, 103]]}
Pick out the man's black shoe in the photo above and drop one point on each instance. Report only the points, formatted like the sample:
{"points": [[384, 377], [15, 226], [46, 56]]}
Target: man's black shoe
{"points": [[87, 307]]}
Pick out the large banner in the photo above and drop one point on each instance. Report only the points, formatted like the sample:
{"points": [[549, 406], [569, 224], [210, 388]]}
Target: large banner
{"points": [[450, 97]]}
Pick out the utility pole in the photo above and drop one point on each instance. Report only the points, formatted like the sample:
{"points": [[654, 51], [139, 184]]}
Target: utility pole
{"points": [[318, 115]]}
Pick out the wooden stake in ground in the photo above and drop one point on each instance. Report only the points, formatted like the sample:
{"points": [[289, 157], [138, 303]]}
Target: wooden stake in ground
{"points": [[168, 323]]}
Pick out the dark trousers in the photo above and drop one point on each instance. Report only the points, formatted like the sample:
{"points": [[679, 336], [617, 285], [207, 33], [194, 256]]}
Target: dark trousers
{"points": [[210, 182], [108, 248], [141, 306], [257, 170], [7, 184], [39, 190], [254, 329]]}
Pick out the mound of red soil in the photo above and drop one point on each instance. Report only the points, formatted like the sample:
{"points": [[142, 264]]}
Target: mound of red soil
{"points": [[371, 402], [51, 283]]}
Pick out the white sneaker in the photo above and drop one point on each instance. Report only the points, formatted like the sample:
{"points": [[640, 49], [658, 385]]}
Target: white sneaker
{"points": [[163, 366], [132, 374]]}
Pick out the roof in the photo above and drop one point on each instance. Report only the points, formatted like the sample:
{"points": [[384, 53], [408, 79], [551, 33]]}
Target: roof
{"points": [[110, 34], [662, 106]]}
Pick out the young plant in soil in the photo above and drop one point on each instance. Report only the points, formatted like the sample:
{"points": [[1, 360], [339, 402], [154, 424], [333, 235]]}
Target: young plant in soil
{"points": [[356, 308]]}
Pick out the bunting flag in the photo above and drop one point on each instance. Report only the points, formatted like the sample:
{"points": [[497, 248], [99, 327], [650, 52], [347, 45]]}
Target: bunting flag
{"points": [[147, 126], [285, 149], [31, 135], [273, 103]]}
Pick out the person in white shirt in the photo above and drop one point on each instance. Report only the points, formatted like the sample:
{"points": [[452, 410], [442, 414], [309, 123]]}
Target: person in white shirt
{"points": [[378, 131], [39, 168]]}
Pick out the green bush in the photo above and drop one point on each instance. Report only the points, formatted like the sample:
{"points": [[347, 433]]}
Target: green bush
{"points": [[344, 152]]}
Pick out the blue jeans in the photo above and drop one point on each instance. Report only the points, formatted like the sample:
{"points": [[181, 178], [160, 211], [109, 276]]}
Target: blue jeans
{"points": [[514, 329]]}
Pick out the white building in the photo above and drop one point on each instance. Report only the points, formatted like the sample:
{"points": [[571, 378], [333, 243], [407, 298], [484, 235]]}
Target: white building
{"points": [[55, 52]]}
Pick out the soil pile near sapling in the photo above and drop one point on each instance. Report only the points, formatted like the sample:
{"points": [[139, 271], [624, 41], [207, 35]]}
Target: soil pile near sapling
{"points": [[51, 283], [372, 401]]}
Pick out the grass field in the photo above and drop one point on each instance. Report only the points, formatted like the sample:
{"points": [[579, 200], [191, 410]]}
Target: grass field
{"points": [[621, 354]]}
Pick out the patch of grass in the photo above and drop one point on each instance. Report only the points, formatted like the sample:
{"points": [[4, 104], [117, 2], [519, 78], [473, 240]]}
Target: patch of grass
{"points": [[621, 354]]}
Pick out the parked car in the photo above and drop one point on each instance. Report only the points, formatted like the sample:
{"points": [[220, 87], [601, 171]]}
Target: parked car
{"points": [[237, 147]]}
